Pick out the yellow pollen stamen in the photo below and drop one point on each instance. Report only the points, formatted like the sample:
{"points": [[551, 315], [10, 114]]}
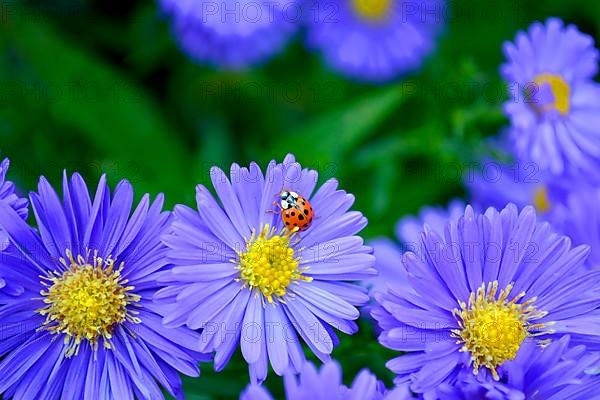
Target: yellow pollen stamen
{"points": [[541, 200], [372, 10], [492, 328], [87, 301], [269, 263], [560, 90]]}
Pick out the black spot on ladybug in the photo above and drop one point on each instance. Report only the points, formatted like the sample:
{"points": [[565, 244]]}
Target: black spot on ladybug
{"points": [[295, 224], [301, 217], [305, 212], [287, 223], [293, 214], [303, 202]]}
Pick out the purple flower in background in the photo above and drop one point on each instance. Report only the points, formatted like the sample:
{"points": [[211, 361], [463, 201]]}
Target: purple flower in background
{"points": [[85, 326], [555, 110], [232, 34], [556, 372], [409, 228], [497, 184], [248, 281], [8, 195], [579, 218], [489, 284], [388, 254], [9, 288], [373, 40], [327, 384], [388, 262]]}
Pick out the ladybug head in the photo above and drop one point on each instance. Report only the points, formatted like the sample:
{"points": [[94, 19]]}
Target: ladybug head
{"points": [[288, 195], [288, 199]]}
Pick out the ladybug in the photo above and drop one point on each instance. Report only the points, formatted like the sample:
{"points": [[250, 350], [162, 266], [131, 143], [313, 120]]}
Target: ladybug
{"points": [[296, 211]]}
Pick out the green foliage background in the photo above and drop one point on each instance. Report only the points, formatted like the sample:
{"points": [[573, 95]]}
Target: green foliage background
{"points": [[100, 86]]}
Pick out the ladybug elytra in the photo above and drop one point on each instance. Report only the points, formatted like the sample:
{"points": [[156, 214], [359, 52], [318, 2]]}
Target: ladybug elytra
{"points": [[296, 210]]}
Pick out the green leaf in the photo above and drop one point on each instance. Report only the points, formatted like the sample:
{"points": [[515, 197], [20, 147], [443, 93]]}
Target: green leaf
{"points": [[88, 95], [329, 136]]}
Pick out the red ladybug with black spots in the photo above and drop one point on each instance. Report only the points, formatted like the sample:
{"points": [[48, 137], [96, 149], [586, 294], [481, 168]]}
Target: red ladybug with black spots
{"points": [[296, 211]]}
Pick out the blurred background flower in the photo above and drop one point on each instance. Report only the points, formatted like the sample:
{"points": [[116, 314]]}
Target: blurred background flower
{"points": [[373, 40], [555, 108], [326, 384], [232, 34]]}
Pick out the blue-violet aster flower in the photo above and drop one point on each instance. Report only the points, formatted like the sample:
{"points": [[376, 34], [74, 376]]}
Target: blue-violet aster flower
{"points": [[85, 326], [232, 34], [578, 217], [327, 384], [496, 184], [408, 231], [409, 228], [492, 282], [555, 109], [8, 286], [8, 195], [247, 280], [374, 40]]}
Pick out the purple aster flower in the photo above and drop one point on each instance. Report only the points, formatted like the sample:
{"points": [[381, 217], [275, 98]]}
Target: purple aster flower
{"points": [[497, 184], [327, 384], [555, 112], [246, 280], [374, 40], [232, 34], [85, 326], [579, 218], [408, 230], [489, 284], [9, 288], [556, 372], [8, 195]]}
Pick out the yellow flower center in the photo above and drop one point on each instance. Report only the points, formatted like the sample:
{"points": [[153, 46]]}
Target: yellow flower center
{"points": [[560, 90], [541, 200], [87, 301], [372, 10], [492, 328], [270, 264]]}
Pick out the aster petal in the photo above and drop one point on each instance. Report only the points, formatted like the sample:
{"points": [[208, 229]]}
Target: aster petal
{"points": [[309, 327], [248, 184], [117, 217], [255, 392], [273, 185], [35, 379], [74, 376], [347, 225], [17, 363], [205, 312], [216, 218], [24, 238], [229, 338], [230, 201], [326, 301], [51, 216], [253, 324], [276, 339]]}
